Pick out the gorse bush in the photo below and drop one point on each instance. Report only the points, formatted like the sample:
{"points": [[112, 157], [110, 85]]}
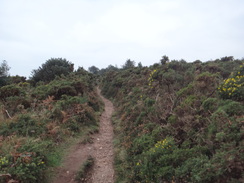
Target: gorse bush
{"points": [[175, 122], [59, 87], [9, 91], [27, 162], [26, 125], [233, 87], [150, 79]]}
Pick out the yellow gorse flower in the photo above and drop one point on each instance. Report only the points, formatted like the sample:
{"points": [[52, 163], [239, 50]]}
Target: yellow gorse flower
{"points": [[230, 86], [150, 79], [163, 144], [3, 161]]}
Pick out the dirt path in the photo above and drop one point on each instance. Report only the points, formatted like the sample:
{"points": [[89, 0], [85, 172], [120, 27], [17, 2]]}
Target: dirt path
{"points": [[101, 150]]}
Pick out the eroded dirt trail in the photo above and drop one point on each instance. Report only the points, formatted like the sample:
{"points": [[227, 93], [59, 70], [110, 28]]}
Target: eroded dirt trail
{"points": [[101, 150], [103, 147]]}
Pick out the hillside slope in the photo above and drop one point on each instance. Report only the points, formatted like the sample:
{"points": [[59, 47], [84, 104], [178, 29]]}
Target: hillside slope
{"points": [[37, 121], [179, 122]]}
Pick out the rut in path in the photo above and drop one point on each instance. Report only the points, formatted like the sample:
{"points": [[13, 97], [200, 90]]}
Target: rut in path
{"points": [[101, 150]]}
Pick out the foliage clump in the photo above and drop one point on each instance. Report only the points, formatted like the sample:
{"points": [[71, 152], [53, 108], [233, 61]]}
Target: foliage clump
{"points": [[52, 68], [233, 87]]}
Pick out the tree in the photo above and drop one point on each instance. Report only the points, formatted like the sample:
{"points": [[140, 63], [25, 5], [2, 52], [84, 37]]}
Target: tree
{"points": [[129, 64], [93, 70], [164, 60], [139, 65], [112, 68], [4, 68], [52, 68], [227, 58], [108, 69]]}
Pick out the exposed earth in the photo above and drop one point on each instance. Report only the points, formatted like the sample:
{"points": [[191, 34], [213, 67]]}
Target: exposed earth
{"points": [[101, 150]]}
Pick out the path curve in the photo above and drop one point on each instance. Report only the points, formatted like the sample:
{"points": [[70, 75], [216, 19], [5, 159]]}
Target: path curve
{"points": [[101, 150]]}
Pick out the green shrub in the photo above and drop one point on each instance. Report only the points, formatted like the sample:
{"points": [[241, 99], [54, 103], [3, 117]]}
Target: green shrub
{"points": [[233, 87], [195, 169], [62, 90], [232, 108], [28, 163], [185, 91], [149, 102], [172, 119], [157, 162], [26, 126], [9, 91], [210, 104], [17, 103], [206, 83], [68, 102], [72, 125]]}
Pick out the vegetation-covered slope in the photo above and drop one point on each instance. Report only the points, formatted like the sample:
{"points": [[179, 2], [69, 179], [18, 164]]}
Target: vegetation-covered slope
{"points": [[36, 120], [178, 121]]}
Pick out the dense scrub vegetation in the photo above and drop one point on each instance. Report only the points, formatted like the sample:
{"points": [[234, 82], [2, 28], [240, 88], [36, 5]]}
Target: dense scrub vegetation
{"points": [[36, 120], [175, 121], [179, 121]]}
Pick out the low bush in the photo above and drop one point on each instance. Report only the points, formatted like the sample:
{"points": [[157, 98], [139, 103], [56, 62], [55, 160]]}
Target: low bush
{"points": [[9, 91], [25, 125], [233, 87], [26, 161]]}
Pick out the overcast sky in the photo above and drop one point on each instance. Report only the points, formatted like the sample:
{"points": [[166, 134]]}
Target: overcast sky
{"points": [[103, 32]]}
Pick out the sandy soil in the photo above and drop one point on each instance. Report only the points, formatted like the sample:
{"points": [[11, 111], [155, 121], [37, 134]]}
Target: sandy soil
{"points": [[101, 150]]}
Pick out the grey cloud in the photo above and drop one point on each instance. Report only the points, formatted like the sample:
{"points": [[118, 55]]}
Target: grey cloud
{"points": [[108, 31]]}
